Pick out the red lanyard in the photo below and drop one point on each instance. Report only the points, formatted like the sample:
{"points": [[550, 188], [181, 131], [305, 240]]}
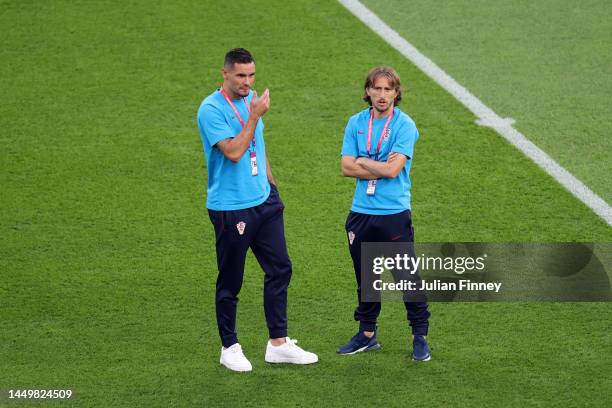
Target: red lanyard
{"points": [[231, 104], [234, 107], [382, 134]]}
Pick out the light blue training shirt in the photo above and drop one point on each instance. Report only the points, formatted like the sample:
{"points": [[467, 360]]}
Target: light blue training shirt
{"points": [[392, 196], [231, 185]]}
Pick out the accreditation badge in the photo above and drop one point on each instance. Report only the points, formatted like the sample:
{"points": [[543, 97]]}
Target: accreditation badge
{"points": [[371, 187], [253, 164]]}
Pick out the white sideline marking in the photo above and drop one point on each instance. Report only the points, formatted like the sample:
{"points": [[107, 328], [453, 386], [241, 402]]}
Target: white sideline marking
{"points": [[486, 116]]}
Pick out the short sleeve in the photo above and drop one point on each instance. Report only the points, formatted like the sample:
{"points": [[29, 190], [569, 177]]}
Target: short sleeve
{"points": [[214, 125], [349, 144], [405, 138]]}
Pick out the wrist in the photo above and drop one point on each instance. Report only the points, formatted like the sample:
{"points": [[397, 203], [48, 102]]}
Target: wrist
{"points": [[254, 117]]}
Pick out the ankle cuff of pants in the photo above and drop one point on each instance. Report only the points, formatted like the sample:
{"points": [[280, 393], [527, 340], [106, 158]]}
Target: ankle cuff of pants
{"points": [[229, 340], [419, 331], [367, 326], [277, 333]]}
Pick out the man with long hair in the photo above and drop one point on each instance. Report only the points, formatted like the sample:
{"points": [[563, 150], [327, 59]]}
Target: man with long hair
{"points": [[377, 150]]}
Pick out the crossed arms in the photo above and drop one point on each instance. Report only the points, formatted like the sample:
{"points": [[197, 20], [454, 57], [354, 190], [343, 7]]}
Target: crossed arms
{"points": [[368, 169]]}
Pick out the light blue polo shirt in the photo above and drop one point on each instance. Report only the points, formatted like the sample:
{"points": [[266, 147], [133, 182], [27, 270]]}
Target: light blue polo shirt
{"points": [[231, 185], [392, 196]]}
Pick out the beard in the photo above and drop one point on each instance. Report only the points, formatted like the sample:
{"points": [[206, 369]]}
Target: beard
{"points": [[387, 107]]}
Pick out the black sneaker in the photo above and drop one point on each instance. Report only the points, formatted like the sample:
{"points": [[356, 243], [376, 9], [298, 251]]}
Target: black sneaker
{"points": [[359, 343]]}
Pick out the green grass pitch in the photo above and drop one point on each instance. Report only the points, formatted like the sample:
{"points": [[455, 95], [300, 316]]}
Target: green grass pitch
{"points": [[107, 253]]}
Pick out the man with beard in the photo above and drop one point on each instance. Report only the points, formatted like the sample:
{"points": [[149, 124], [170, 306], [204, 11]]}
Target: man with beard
{"points": [[377, 150], [246, 210]]}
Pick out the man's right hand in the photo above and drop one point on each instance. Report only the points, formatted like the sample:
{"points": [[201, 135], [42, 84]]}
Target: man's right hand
{"points": [[233, 148], [260, 105]]}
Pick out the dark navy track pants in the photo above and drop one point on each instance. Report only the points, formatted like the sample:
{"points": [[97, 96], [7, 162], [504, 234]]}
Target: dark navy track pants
{"points": [[382, 228], [263, 231]]}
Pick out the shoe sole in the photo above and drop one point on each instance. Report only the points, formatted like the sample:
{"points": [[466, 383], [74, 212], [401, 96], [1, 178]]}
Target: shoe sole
{"points": [[235, 369], [288, 361], [362, 350], [424, 359]]}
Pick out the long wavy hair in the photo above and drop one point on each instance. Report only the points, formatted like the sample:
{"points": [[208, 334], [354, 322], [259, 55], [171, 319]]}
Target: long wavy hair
{"points": [[388, 73]]}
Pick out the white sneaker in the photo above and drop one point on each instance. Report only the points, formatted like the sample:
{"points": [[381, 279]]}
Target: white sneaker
{"points": [[233, 358], [289, 352]]}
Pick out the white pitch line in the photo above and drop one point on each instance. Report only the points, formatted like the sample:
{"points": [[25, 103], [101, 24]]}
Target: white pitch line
{"points": [[486, 116]]}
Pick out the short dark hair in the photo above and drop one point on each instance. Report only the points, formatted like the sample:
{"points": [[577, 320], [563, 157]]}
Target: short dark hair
{"points": [[237, 56], [387, 72]]}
